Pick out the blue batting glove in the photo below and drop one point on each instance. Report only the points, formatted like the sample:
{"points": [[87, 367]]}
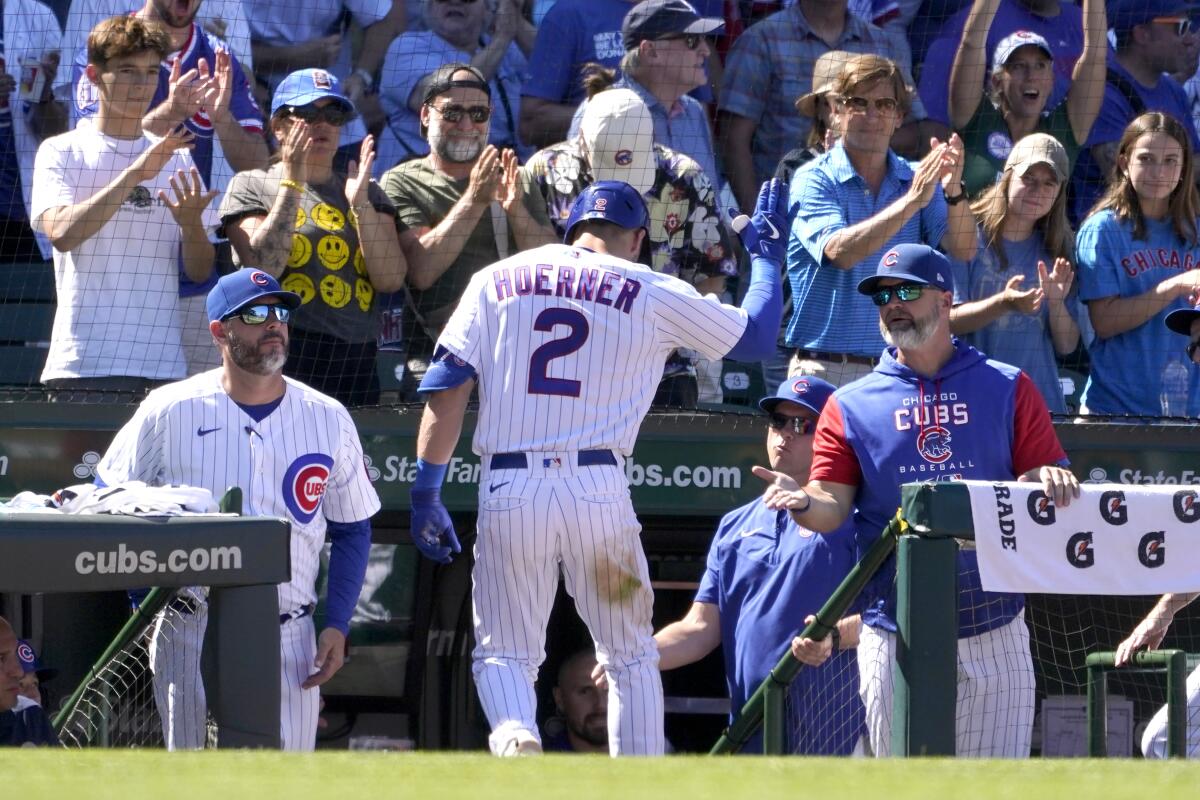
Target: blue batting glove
{"points": [[432, 531], [763, 233]]}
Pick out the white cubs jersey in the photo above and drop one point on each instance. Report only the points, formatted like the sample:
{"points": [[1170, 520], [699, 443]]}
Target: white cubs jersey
{"points": [[570, 345], [303, 462]]}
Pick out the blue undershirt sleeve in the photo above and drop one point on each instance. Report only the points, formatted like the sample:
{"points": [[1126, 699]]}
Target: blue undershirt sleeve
{"points": [[763, 305], [347, 566]]}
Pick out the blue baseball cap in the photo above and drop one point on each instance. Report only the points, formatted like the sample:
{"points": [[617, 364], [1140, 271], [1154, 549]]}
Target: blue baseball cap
{"points": [[807, 390], [306, 86], [1125, 15], [243, 287], [918, 263], [654, 19], [31, 663]]}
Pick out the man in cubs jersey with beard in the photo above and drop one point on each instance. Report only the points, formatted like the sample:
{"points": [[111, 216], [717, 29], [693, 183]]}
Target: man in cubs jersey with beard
{"points": [[934, 408], [567, 343], [295, 453]]}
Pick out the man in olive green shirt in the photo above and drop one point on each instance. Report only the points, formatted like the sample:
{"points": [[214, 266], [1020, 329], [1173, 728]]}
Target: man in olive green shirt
{"points": [[460, 208]]}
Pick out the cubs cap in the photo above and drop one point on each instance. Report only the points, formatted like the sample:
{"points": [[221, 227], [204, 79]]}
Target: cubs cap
{"points": [[1039, 148], [807, 390], [1016, 40], [1125, 15], [619, 135], [611, 201], [825, 74], [654, 19], [306, 86], [31, 663], [240, 288], [918, 263]]}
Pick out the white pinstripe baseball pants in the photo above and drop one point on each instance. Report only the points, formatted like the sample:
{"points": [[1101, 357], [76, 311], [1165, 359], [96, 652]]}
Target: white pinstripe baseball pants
{"points": [[531, 521], [995, 706], [179, 689]]}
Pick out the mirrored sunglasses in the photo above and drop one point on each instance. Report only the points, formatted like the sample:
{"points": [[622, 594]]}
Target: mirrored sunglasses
{"points": [[258, 314], [907, 292]]}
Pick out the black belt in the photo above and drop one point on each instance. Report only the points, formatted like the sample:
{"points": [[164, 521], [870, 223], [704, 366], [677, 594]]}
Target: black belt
{"points": [[845, 358], [302, 611], [586, 458]]}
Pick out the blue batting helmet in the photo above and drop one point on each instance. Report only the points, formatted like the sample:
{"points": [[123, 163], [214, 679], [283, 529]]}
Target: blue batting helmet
{"points": [[612, 201]]}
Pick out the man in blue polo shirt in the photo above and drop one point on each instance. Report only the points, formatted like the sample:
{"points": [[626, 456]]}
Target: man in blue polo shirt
{"points": [[851, 204], [765, 576]]}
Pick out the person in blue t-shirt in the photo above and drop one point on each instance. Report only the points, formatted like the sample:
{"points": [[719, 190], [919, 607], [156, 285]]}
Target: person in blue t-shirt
{"points": [[1154, 40], [1138, 255], [1007, 302], [934, 408], [766, 576]]}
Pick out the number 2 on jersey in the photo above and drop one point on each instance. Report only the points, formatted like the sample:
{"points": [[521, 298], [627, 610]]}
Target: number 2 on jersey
{"points": [[539, 381]]}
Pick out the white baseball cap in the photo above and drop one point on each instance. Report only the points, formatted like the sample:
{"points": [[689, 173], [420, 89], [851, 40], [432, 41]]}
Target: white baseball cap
{"points": [[619, 134], [1015, 41]]}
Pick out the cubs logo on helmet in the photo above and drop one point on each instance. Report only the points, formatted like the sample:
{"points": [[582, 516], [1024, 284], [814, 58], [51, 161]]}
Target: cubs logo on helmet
{"points": [[304, 485], [25, 653], [322, 79], [891, 258], [934, 444], [260, 278], [623, 158], [800, 386]]}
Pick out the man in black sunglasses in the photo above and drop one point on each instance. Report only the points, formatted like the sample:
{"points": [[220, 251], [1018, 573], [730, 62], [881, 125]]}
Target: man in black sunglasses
{"points": [[463, 206], [766, 575], [934, 408], [296, 454]]}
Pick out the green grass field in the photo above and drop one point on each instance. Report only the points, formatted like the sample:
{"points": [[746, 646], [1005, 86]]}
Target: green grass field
{"points": [[130, 775]]}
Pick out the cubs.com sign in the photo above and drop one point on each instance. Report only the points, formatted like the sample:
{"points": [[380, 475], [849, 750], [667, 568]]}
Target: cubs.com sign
{"points": [[1112, 540]]}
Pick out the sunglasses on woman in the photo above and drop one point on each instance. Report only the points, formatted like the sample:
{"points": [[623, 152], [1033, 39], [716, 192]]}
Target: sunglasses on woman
{"points": [[884, 106], [257, 315], [333, 114], [452, 112], [907, 292], [801, 426]]}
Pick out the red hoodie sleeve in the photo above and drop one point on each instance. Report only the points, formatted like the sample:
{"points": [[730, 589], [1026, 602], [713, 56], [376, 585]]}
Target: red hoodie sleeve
{"points": [[834, 459], [1035, 444]]}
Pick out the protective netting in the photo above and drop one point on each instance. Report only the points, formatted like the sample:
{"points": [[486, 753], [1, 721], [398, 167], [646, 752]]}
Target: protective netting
{"points": [[118, 704], [695, 122]]}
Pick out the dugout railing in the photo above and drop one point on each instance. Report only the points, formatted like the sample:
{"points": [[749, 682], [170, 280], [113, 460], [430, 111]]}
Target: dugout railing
{"points": [[924, 536], [92, 552]]}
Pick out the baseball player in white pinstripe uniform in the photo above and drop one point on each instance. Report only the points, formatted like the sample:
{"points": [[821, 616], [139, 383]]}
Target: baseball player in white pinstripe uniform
{"points": [[296, 454], [567, 343]]}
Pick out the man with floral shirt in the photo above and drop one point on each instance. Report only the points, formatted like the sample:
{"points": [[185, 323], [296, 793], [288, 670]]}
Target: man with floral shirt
{"points": [[687, 238]]}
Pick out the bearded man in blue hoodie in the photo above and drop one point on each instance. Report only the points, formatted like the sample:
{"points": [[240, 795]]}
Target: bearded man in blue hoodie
{"points": [[934, 408]]}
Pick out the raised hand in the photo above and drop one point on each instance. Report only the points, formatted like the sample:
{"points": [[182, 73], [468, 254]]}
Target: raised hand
{"points": [[190, 197], [187, 91], [763, 233], [953, 158], [219, 93], [485, 176], [508, 187], [360, 173], [928, 173], [156, 156], [293, 151], [1025, 301], [1056, 283]]}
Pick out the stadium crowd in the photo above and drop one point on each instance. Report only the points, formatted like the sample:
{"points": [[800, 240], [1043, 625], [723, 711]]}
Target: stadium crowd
{"points": [[853, 101], [372, 155]]}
